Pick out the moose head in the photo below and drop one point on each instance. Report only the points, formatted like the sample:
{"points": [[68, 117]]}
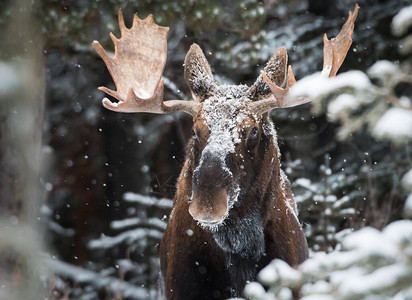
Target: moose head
{"points": [[229, 120]]}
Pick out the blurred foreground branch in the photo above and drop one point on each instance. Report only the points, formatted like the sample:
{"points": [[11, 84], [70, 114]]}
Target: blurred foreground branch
{"points": [[22, 82]]}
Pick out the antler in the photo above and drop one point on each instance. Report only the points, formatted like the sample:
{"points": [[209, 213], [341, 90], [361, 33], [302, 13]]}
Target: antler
{"points": [[137, 68], [334, 53]]}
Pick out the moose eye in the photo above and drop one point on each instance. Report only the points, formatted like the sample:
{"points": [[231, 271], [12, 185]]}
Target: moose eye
{"points": [[254, 133]]}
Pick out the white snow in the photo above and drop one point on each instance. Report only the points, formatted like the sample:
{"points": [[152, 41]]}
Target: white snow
{"points": [[408, 206], [368, 242], [285, 294], [373, 264], [255, 291], [306, 183], [400, 233], [316, 85], [404, 294], [395, 124], [57, 228], [405, 101], [129, 237], [407, 180], [320, 286], [120, 224], [347, 211], [279, 272], [147, 201], [318, 297], [224, 115], [339, 236], [355, 287], [137, 221], [80, 275], [401, 21], [382, 68], [323, 263], [342, 201]]}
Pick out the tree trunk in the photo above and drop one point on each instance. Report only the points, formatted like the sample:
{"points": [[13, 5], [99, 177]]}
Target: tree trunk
{"points": [[22, 81]]}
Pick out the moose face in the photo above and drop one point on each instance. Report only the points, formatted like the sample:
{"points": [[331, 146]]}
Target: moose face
{"points": [[231, 135], [226, 137]]}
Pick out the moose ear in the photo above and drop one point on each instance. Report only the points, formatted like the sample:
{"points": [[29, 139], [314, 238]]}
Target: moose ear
{"points": [[198, 74], [275, 69]]}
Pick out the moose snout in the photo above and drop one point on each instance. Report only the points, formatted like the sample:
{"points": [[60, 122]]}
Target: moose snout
{"points": [[208, 219], [211, 182], [211, 173], [204, 218], [210, 206]]}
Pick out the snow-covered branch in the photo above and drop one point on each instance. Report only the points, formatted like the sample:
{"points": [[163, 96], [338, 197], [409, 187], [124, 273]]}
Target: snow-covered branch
{"points": [[372, 264]]}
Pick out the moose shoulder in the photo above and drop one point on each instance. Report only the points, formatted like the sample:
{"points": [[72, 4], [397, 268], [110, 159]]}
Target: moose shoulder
{"points": [[233, 210]]}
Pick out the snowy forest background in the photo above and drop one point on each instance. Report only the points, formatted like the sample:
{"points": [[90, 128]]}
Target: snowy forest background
{"points": [[85, 192]]}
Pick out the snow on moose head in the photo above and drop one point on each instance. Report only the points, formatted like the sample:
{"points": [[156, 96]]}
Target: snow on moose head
{"points": [[232, 133], [229, 137]]}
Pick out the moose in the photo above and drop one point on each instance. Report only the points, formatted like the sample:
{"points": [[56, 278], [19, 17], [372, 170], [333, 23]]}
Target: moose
{"points": [[233, 210]]}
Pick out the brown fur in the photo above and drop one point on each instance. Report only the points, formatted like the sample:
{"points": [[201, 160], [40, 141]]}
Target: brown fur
{"points": [[193, 264]]}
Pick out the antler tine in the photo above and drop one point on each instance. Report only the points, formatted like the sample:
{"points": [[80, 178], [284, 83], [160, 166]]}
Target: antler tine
{"points": [[137, 68], [279, 94], [334, 53], [335, 50], [122, 25], [136, 104]]}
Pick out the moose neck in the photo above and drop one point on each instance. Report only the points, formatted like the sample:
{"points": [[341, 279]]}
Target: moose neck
{"points": [[241, 237]]}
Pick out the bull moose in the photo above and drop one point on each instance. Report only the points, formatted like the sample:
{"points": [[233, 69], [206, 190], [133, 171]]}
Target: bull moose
{"points": [[233, 210]]}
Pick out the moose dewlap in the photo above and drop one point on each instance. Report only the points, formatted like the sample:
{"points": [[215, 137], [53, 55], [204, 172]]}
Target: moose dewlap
{"points": [[231, 195]]}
